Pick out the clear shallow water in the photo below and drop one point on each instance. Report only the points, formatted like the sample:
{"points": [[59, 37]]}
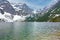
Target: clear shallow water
{"points": [[29, 31]]}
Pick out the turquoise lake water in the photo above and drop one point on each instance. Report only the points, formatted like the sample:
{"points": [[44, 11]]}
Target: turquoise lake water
{"points": [[27, 30]]}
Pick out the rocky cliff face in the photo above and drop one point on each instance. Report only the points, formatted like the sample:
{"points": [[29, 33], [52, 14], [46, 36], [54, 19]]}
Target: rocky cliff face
{"points": [[6, 6]]}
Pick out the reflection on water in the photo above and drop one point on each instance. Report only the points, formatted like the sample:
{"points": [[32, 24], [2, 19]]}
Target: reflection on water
{"points": [[6, 31], [30, 31]]}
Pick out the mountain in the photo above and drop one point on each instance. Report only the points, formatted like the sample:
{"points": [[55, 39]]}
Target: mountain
{"points": [[10, 13], [50, 6], [6, 6], [53, 13], [22, 8], [55, 9]]}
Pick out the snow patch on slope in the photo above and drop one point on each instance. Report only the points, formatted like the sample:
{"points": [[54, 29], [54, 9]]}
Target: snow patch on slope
{"points": [[18, 18], [7, 17]]}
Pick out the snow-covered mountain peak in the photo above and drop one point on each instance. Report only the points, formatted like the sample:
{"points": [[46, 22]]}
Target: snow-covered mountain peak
{"points": [[22, 8]]}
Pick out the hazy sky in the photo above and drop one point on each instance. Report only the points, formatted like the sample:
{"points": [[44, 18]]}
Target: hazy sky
{"points": [[35, 4]]}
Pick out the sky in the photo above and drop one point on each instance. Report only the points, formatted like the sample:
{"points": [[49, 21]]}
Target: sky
{"points": [[35, 4]]}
